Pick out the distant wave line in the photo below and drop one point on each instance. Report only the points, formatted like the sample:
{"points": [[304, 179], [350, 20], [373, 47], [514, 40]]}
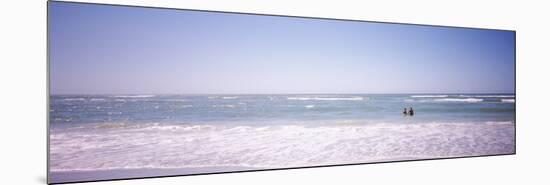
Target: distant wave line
{"points": [[327, 98], [508, 100], [460, 100], [134, 96], [429, 96]]}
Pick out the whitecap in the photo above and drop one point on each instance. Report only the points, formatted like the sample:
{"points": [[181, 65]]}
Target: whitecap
{"points": [[355, 98], [74, 99], [495, 96], [134, 96], [224, 106], [429, 96], [174, 100], [472, 100], [488, 96]]}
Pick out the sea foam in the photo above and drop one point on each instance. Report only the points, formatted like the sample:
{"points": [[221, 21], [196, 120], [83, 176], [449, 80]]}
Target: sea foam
{"points": [[186, 146]]}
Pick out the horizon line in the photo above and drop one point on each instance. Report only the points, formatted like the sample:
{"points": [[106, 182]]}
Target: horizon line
{"points": [[421, 93]]}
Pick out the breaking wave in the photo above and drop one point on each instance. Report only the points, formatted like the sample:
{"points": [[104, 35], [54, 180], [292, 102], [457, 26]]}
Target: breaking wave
{"points": [[488, 96], [182, 146], [134, 96], [74, 99], [429, 96], [471, 100], [508, 100]]}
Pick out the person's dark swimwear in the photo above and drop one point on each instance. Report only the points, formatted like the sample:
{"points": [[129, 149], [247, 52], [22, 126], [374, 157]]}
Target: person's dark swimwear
{"points": [[411, 111]]}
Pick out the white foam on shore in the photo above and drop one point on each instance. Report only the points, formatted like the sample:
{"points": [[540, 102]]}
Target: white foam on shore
{"points": [[471, 100], [508, 100], [131, 146]]}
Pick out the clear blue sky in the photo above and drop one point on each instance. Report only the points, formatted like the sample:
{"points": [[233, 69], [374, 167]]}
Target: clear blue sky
{"points": [[98, 49]]}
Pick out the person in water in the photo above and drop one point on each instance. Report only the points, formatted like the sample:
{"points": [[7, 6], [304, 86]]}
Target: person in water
{"points": [[411, 112], [405, 113]]}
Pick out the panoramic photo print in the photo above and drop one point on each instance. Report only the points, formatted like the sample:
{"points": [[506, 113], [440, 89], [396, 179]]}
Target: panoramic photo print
{"points": [[147, 92]]}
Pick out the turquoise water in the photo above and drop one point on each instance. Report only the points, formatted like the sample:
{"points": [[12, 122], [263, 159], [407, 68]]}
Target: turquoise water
{"points": [[279, 109], [142, 132]]}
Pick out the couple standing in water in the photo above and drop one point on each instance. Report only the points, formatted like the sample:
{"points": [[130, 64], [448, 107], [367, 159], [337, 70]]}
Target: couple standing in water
{"points": [[409, 112]]}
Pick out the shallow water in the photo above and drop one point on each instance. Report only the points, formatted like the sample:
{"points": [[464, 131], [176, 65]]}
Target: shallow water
{"points": [[263, 110], [111, 132]]}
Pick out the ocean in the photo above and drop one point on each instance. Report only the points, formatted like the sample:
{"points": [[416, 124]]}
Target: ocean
{"points": [[130, 132]]}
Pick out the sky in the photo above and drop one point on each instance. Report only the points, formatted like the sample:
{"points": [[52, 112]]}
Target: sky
{"points": [[100, 49]]}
